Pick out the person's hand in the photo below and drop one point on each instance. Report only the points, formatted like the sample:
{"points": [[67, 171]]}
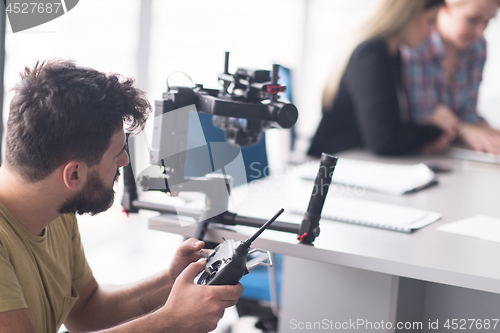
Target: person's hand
{"points": [[481, 138], [188, 252], [197, 308], [437, 146], [445, 119]]}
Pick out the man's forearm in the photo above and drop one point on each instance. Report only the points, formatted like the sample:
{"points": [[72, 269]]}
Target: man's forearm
{"points": [[109, 305], [151, 323]]}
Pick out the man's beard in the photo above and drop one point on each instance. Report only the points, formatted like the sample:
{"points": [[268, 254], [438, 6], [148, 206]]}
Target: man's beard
{"points": [[93, 198]]}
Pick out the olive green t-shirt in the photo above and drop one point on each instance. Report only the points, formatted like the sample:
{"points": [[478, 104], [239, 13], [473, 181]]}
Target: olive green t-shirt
{"points": [[41, 273]]}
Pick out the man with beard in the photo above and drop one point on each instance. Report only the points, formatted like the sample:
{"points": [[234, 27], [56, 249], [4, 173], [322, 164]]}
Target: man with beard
{"points": [[65, 142]]}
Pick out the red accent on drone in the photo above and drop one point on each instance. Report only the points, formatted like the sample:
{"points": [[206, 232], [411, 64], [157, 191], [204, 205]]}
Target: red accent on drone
{"points": [[274, 89], [300, 238]]}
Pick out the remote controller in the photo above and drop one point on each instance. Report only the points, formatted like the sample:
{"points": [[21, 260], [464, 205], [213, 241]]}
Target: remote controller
{"points": [[227, 263]]}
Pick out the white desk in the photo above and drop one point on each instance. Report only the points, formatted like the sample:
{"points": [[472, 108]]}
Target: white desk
{"points": [[360, 273]]}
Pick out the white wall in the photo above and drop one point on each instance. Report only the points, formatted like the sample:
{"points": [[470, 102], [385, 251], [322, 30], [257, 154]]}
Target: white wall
{"points": [[330, 25], [98, 34], [489, 94]]}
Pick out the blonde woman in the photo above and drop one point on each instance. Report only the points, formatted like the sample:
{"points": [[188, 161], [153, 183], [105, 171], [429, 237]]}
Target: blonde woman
{"points": [[443, 74], [364, 103]]}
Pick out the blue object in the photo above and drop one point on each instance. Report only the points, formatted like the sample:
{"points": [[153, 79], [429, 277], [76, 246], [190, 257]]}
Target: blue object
{"points": [[256, 283], [285, 77], [254, 157]]}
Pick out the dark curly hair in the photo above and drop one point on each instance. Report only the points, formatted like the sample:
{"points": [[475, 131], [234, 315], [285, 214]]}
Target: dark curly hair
{"points": [[62, 112]]}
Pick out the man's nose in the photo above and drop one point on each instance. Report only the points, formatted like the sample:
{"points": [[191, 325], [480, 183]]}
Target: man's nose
{"points": [[123, 160]]}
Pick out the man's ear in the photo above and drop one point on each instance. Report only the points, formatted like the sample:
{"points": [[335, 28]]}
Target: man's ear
{"points": [[75, 174]]}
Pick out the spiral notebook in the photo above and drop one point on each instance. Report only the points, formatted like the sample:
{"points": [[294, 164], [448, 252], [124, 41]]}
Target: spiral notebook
{"points": [[394, 179], [371, 213]]}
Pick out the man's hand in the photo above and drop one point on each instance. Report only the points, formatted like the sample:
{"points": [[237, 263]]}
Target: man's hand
{"points": [[480, 137], [188, 252], [197, 308], [445, 119]]}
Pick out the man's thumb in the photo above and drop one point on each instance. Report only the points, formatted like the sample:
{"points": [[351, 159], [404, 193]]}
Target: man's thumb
{"points": [[193, 269]]}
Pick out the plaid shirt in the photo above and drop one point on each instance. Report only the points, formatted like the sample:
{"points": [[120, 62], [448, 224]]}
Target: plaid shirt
{"points": [[427, 85]]}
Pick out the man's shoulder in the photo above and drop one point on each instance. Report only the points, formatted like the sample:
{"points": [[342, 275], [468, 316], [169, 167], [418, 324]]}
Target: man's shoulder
{"points": [[430, 49], [10, 239], [479, 49], [63, 226], [6, 227], [4, 232]]}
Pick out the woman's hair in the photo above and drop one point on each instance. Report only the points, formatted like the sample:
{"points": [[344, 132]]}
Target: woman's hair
{"points": [[389, 18]]}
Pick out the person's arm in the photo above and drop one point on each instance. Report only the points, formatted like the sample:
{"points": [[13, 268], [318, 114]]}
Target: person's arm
{"points": [[444, 118], [16, 321], [469, 83], [167, 302], [372, 85], [190, 308], [480, 137], [474, 130], [101, 306], [105, 306]]}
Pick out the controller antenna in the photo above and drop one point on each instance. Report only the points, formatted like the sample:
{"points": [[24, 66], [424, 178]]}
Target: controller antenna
{"points": [[249, 241]]}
